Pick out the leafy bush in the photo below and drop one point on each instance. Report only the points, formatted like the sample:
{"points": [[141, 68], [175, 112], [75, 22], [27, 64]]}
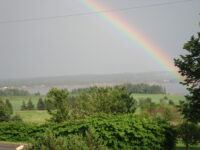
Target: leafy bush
{"points": [[17, 131], [5, 112], [74, 142], [112, 100], [117, 131], [49, 142], [124, 131]]}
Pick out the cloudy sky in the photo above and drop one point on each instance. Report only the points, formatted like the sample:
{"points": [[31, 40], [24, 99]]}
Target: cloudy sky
{"points": [[88, 44]]}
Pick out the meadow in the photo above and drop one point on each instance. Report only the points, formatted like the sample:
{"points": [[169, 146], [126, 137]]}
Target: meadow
{"points": [[38, 116], [16, 101]]}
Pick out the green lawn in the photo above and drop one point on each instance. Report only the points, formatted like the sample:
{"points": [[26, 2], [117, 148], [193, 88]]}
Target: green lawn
{"points": [[34, 116], [16, 101], [41, 116]]}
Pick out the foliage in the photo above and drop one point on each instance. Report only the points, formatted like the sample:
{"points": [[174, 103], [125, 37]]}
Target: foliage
{"points": [[30, 105], [144, 102], [17, 131], [106, 100], [49, 142], [9, 105], [5, 112], [41, 104], [145, 89], [165, 112], [23, 106], [189, 67], [124, 131], [189, 133], [57, 104], [74, 142], [117, 132], [13, 92], [171, 102]]}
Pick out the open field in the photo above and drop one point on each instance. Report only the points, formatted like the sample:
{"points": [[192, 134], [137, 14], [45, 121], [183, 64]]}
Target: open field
{"points": [[34, 116], [16, 101], [40, 116]]}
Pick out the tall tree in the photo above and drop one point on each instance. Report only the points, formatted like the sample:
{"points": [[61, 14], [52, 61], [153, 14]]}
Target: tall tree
{"points": [[106, 100], [5, 112], [9, 105], [40, 104], [23, 106], [57, 105], [189, 67], [30, 105]]}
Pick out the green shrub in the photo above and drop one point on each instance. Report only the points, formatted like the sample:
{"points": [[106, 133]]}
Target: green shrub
{"points": [[74, 142], [117, 131], [124, 131], [18, 131], [49, 142]]}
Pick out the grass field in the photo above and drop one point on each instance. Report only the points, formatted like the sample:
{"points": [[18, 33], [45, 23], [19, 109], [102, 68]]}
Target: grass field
{"points": [[16, 101], [41, 116], [34, 116]]}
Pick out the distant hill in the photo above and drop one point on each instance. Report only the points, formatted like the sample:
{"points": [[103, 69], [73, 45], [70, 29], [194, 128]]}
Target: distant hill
{"points": [[78, 81], [148, 77]]}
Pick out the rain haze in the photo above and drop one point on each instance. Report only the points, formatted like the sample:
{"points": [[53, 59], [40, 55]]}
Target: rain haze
{"points": [[88, 44]]}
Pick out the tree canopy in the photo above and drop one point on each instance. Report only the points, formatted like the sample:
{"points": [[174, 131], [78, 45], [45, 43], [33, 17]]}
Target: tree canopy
{"points": [[189, 67], [57, 105], [106, 100]]}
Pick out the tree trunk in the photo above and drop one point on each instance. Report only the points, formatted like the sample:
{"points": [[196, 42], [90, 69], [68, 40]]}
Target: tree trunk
{"points": [[187, 146]]}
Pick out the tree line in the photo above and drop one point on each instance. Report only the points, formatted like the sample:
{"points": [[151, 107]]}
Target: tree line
{"points": [[30, 106], [13, 92], [145, 88]]}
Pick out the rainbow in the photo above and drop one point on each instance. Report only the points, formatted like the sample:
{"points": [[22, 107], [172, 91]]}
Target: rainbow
{"points": [[134, 35]]}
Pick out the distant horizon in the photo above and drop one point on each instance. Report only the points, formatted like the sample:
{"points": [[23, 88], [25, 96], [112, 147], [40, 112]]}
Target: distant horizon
{"points": [[84, 74]]}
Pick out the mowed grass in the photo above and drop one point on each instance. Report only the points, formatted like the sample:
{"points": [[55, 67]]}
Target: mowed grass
{"points": [[16, 101], [34, 116], [156, 97]]}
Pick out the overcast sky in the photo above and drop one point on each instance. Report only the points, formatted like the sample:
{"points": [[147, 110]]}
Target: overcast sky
{"points": [[88, 44]]}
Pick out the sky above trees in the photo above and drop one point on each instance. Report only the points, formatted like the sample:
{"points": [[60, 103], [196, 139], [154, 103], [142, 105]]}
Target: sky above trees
{"points": [[87, 44]]}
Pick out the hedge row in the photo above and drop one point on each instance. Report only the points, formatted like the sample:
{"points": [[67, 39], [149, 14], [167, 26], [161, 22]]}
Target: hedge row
{"points": [[119, 132]]}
